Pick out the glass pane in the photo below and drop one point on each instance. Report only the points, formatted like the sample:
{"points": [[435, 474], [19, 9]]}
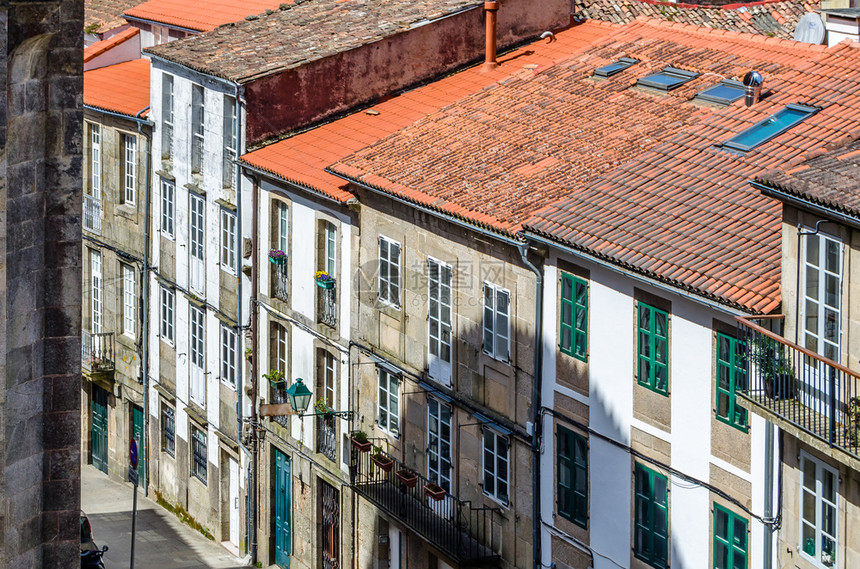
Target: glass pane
{"points": [[812, 316], [642, 509], [739, 561], [828, 515], [659, 520], [812, 250], [828, 552], [659, 323], [769, 127], [831, 290], [724, 92], [659, 490], [828, 486], [645, 344], [581, 293], [661, 380], [564, 475], [831, 325], [809, 475], [661, 351], [831, 256], [809, 507], [566, 289], [723, 377], [722, 405], [723, 352], [721, 552], [808, 540], [739, 533], [812, 282], [644, 317], [644, 371], [580, 345]]}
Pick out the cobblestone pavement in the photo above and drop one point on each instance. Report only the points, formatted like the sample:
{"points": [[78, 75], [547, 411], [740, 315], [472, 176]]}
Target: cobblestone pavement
{"points": [[161, 542]]}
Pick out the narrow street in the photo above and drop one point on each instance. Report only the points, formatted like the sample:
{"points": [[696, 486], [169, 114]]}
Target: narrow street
{"points": [[162, 541]]}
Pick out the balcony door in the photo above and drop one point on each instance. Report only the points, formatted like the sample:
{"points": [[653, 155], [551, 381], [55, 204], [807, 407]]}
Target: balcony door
{"points": [[439, 320], [196, 265], [439, 452], [330, 527], [100, 428]]}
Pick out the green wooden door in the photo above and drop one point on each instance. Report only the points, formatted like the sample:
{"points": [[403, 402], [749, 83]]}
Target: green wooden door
{"points": [[137, 433], [283, 506], [100, 429]]}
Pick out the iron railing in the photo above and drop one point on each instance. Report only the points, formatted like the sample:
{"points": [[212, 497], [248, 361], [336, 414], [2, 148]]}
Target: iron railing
{"points": [[92, 214], [281, 283], [811, 392], [457, 528], [279, 395], [327, 437], [327, 306], [97, 353]]}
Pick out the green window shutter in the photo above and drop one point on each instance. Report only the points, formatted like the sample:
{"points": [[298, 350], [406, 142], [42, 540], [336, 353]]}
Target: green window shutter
{"points": [[653, 348], [731, 376], [651, 517], [564, 478], [573, 325], [730, 540], [572, 487]]}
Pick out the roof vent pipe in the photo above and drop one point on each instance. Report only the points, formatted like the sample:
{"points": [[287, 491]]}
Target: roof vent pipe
{"points": [[490, 9], [752, 87]]}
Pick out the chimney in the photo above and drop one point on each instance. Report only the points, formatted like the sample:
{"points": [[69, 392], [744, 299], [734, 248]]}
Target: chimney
{"points": [[752, 87], [490, 9]]}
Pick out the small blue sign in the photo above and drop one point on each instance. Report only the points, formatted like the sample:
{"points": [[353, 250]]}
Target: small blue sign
{"points": [[132, 453]]}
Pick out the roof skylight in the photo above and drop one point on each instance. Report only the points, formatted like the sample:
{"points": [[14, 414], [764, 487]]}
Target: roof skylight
{"points": [[615, 67], [725, 92], [770, 127], [667, 79]]}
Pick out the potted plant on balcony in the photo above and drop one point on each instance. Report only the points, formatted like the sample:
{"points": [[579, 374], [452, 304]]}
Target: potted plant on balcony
{"points": [[382, 460], [321, 408], [774, 368], [360, 442], [277, 257], [323, 279], [275, 377], [407, 477], [852, 429], [434, 491]]}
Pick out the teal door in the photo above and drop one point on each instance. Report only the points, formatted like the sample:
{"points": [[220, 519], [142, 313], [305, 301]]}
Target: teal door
{"points": [[283, 507], [100, 430], [137, 433]]}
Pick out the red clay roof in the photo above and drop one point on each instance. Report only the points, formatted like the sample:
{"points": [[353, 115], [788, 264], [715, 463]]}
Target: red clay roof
{"points": [[632, 176], [201, 15], [122, 88], [102, 46], [103, 15], [301, 159]]}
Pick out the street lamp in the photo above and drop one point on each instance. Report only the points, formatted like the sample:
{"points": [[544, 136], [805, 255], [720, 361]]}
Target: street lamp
{"points": [[299, 396]]}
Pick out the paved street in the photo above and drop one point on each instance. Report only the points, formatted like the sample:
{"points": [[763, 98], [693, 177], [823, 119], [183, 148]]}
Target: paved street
{"points": [[162, 541]]}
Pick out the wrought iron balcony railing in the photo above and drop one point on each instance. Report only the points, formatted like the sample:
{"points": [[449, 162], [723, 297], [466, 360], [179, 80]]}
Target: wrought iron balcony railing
{"points": [[92, 214], [457, 528], [327, 306], [327, 436], [812, 393], [281, 283], [279, 395], [97, 354]]}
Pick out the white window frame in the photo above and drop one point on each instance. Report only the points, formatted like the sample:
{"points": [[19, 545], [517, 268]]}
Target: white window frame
{"points": [[439, 278], [494, 463], [228, 241], [330, 249], [197, 354], [820, 503], [823, 346], [329, 379], [389, 272], [167, 116], [199, 439], [96, 288], [129, 145], [497, 322], [282, 344], [168, 207], [283, 226], [198, 127], [436, 421], [388, 402], [231, 141], [128, 300], [229, 347], [96, 160], [197, 243], [168, 307]]}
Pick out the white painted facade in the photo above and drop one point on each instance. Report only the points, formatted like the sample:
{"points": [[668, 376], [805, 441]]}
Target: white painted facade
{"points": [[610, 410]]}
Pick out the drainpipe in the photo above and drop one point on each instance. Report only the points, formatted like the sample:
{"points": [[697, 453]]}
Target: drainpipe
{"points": [[537, 385], [255, 190], [491, 7], [768, 494], [144, 296]]}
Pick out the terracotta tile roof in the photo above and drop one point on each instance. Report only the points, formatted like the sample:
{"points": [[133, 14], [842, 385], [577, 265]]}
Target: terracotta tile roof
{"points": [[829, 178], [122, 88], [103, 15], [200, 15], [302, 158], [292, 35], [100, 47], [770, 18], [632, 176]]}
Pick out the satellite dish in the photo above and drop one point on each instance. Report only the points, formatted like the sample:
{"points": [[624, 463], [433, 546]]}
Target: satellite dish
{"points": [[810, 29]]}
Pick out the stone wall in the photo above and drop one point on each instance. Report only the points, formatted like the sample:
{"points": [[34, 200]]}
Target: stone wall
{"points": [[40, 282]]}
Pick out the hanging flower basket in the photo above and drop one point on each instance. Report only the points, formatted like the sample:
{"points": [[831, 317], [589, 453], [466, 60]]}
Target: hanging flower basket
{"points": [[275, 377], [323, 279], [407, 477], [434, 491], [360, 442], [277, 257]]}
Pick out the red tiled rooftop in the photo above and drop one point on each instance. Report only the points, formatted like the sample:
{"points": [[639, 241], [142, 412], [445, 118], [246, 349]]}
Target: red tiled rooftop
{"points": [[103, 15], [200, 15], [100, 47], [122, 88]]}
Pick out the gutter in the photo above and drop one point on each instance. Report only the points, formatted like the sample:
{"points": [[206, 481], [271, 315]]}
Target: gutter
{"points": [[796, 201], [309, 189], [226, 83], [136, 117], [132, 19], [144, 301]]}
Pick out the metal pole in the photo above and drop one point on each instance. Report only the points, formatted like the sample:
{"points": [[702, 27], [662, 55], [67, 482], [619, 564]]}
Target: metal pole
{"points": [[133, 520]]}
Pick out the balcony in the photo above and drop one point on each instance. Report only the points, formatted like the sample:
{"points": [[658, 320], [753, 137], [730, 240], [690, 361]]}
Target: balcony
{"points": [[92, 214], [279, 395], [455, 527], [802, 392], [327, 305], [97, 354], [281, 285], [327, 437]]}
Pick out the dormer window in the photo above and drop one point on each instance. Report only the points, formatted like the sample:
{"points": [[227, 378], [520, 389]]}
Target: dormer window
{"points": [[615, 67], [770, 127], [725, 92], [667, 79]]}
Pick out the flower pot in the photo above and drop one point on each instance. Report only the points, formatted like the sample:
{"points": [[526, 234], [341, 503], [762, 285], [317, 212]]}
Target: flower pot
{"points": [[325, 284], [434, 492], [277, 260], [383, 462], [407, 478], [361, 447]]}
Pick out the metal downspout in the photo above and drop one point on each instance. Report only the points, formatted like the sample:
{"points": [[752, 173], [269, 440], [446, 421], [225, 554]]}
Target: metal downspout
{"points": [[768, 494], [255, 190], [147, 236], [537, 385]]}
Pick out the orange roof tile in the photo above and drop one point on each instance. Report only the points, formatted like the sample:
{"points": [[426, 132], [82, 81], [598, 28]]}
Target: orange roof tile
{"points": [[100, 47], [122, 88], [201, 15], [104, 15]]}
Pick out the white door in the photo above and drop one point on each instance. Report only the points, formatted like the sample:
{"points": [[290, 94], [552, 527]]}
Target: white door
{"points": [[196, 268], [234, 502], [439, 454], [395, 548], [439, 320]]}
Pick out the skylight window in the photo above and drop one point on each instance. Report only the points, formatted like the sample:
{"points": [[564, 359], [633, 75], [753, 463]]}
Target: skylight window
{"points": [[615, 67], [725, 92], [667, 79], [770, 127]]}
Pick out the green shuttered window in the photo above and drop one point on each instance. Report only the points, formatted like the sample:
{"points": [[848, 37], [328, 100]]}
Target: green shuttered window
{"points": [[653, 346], [730, 540], [574, 317], [572, 476], [651, 533], [731, 376]]}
